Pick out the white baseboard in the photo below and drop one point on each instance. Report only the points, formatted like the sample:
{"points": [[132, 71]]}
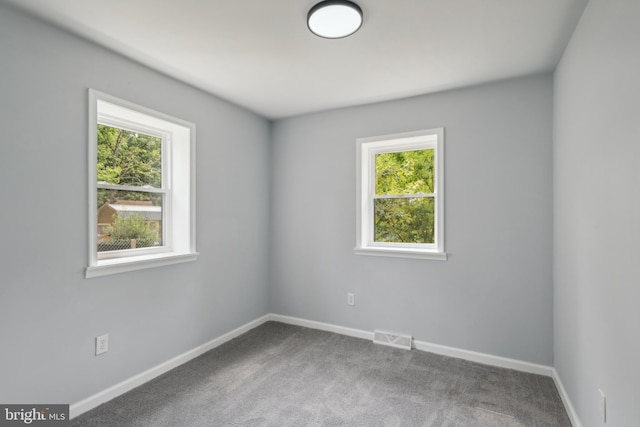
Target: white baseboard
{"points": [[358, 333], [112, 392], [484, 358], [573, 415], [487, 359]]}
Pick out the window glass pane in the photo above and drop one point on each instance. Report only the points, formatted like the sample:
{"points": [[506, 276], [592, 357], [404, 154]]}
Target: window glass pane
{"points": [[128, 158], [128, 220], [406, 172], [406, 220]]}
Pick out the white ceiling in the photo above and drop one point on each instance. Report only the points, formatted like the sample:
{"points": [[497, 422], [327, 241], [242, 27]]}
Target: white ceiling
{"points": [[260, 54]]}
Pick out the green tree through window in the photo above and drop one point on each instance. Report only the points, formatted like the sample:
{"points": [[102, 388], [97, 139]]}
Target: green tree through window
{"points": [[404, 208], [128, 160]]}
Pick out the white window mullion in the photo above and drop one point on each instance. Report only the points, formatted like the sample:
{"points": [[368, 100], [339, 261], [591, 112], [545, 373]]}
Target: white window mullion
{"points": [[403, 196], [117, 187]]}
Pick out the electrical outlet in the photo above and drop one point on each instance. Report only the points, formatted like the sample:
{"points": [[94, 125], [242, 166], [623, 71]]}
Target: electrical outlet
{"points": [[603, 406], [351, 299], [102, 344]]}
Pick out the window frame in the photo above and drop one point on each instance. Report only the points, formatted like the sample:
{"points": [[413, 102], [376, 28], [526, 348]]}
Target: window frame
{"points": [[366, 150], [164, 190], [178, 185]]}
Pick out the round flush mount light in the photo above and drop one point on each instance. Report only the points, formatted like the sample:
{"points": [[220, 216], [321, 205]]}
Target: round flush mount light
{"points": [[334, 19]]}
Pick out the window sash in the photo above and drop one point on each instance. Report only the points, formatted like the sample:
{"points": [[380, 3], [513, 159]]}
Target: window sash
{"points": [[165, 231], [391, 146], [164, 190]]}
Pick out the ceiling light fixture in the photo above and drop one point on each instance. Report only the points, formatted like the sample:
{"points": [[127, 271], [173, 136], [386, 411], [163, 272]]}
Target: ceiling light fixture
{"points": [[334, 19]]}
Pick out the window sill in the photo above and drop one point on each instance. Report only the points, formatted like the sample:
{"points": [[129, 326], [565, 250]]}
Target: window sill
{"points": [[123, 265], [402, 253]]}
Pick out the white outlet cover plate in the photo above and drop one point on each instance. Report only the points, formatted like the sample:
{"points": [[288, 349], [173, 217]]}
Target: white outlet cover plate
{"points": [[351, 299], [102, 344]]}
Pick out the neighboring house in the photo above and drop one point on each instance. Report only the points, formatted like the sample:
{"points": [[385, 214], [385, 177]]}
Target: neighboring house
{"points": [[123, 208]]}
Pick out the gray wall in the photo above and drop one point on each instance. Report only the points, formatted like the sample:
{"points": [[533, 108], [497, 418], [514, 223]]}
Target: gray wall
{"points": [[49, 314], [597, 213], [494, 294]]}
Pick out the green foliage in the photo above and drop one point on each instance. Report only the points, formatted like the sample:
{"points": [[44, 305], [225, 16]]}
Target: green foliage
{"points": [[133, 226], [127, 158], [405, 172], [405, 220], [408, 220], [133, 159]]}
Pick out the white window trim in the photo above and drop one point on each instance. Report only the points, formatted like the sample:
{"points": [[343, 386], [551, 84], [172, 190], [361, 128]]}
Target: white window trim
{"points": [[366, 149], [179, 220]]}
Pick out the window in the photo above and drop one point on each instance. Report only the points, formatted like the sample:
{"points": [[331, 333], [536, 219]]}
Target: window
{"points": [[141, 187], [400, 197]]}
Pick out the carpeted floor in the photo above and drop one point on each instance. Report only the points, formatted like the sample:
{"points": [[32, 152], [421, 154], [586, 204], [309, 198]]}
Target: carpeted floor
{"points": [[283, 375]]}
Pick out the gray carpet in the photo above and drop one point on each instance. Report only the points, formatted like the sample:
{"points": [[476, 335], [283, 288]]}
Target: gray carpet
{"points": [[283, 375]]}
